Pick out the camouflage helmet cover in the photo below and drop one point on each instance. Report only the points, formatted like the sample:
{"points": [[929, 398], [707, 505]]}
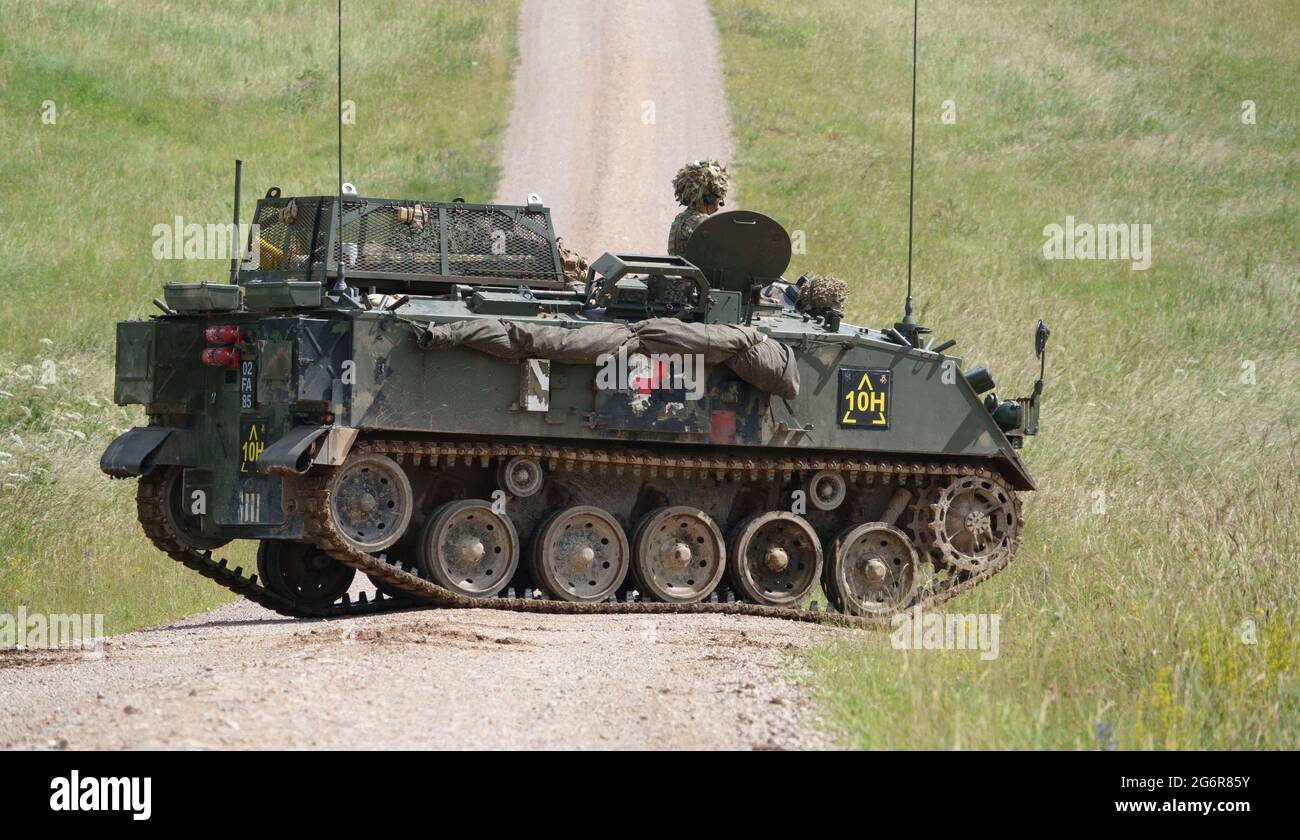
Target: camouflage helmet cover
{"points": [[696, 180], [822, 292]]}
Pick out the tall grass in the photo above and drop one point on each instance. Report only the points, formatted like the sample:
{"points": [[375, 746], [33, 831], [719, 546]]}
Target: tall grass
{"points": [[1164, 531], [153, 102]]}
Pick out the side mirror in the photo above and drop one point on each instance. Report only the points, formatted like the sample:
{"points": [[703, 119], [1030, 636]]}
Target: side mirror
{"points": [[1041, 334]]}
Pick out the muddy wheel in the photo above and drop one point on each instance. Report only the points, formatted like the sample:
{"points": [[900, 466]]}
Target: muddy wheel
{"points": [[679, 555], [160, 504], [468, 548], [371, 502], [919, 518], [776, 559], [975, 523], [302, 573], [581, 554], [871, 570]]}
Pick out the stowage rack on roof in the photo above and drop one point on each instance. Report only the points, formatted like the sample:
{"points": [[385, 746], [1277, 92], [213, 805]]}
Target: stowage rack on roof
{"points": [[395, 244]]}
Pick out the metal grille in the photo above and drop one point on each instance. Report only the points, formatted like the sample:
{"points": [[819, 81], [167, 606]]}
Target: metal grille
{"points": [[379, 241], [485, 242], [397, 239], [281, 246]]}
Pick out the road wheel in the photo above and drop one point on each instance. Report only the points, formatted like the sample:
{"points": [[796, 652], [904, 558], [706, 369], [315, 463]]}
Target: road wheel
{"points": [[581, 554], [370, 502], [871, 570], [468, 548], [678, 555], [776, 559]]}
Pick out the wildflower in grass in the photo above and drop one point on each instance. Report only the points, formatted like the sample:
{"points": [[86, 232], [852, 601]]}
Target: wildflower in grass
{"points": [[1105, 735]]}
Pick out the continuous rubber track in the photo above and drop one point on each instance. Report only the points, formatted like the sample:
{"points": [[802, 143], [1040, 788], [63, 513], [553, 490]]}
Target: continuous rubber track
{"points": [[321, 531], [152, 513], [423, 593]]}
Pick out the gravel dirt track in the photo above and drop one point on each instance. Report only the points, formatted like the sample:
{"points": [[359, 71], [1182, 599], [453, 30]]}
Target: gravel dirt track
{"points": [[240, 677]]}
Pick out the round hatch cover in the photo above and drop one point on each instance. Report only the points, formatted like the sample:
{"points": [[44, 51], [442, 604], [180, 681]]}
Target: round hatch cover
{"points": [[741, 245]]}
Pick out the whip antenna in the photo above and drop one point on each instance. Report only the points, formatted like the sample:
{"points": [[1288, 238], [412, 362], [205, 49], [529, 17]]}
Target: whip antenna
{"points": [[341, 283], [908, 326]]}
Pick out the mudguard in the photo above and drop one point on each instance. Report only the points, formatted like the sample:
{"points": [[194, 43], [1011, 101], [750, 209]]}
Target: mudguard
{"points": [[296, 450], [293, 452], [139, 450]]}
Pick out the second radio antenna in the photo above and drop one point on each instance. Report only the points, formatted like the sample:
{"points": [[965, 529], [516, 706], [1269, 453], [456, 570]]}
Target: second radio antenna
{"points": [[908, 327], [340, 282]]}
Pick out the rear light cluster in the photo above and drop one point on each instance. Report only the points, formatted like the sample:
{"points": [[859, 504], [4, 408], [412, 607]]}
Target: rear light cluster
{"points": [[220, 351]]}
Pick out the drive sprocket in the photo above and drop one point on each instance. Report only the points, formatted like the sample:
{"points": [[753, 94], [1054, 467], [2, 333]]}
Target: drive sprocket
{"points": [[976, 523]]}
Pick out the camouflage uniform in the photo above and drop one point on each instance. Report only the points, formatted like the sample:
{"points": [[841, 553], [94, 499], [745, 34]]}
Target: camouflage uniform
{"points": [[690, 185], [574, 266], [683, 226]]}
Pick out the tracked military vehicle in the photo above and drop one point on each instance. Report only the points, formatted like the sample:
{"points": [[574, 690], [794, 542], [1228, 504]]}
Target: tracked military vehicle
{"points": [[412, 390]]}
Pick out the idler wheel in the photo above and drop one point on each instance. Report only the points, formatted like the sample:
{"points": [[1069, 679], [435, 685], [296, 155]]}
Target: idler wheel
{"points": [[776, 559], [581, 554], [468, 548], [165, 484], [302, 573], [370, 502], [678, 555], [871, 570], [974, 523]]}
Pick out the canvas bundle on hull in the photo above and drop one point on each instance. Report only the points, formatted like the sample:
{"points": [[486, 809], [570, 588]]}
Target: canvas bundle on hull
{"points": [[767, 365]]}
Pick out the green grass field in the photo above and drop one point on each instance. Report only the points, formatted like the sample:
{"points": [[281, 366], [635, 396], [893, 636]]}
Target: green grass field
{"points": [[1169, 475], [1165, 529], [152, 104]]}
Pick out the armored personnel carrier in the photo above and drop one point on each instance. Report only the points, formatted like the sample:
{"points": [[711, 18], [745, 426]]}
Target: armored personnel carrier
{"points": [[412, 390]]}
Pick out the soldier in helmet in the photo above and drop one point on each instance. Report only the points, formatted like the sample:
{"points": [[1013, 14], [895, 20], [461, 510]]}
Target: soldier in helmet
{"points": [[700, 188]]}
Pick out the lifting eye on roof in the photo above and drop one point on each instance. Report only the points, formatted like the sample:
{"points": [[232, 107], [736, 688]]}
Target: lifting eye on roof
{"points": [[348, 189], [274, 192]]}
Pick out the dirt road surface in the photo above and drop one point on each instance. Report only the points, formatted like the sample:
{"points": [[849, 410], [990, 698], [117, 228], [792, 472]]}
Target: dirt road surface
{"points": [[610, 98]]}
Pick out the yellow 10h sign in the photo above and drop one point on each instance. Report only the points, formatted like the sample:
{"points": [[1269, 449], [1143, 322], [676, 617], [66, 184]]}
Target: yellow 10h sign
{"points": [[864, 398]]}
